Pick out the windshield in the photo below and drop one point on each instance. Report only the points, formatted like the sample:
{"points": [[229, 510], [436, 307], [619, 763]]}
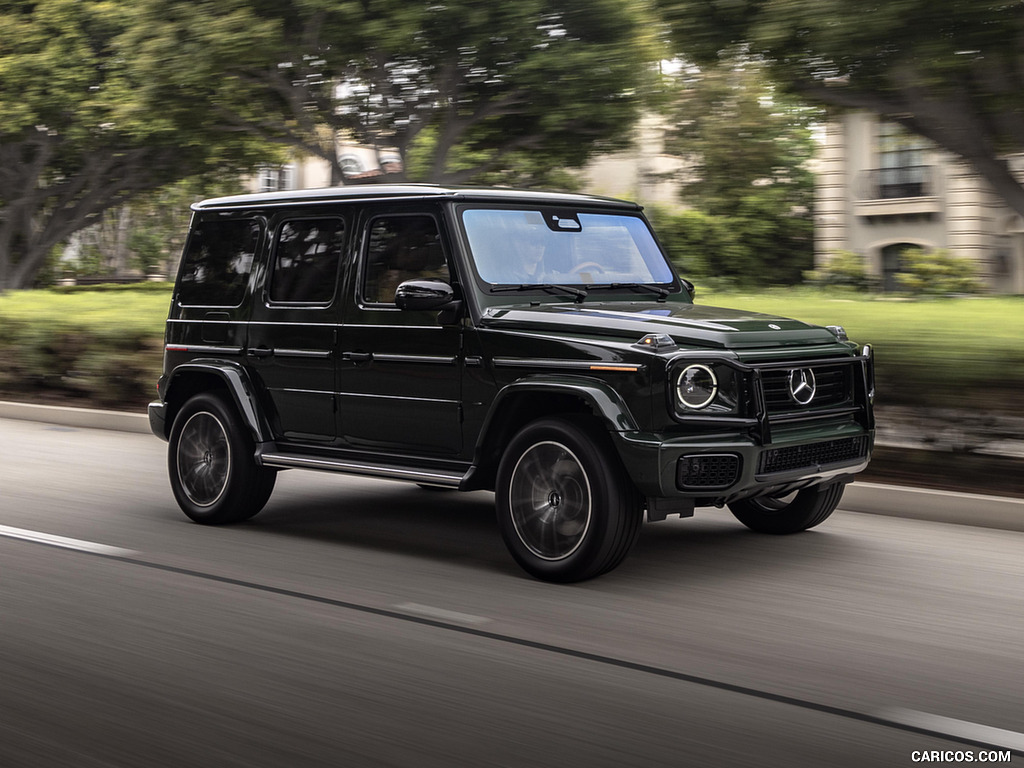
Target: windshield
{"points": [[531, 247]]}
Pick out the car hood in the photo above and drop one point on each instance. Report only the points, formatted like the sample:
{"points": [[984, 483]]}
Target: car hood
{"points": [[687, 324]]}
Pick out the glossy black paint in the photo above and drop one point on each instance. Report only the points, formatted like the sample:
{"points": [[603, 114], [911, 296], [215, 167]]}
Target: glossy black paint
{"points": [[354, 382]]}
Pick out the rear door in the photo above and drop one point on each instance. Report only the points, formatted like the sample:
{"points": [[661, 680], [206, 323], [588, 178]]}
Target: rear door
{"points": [[294, 324]]}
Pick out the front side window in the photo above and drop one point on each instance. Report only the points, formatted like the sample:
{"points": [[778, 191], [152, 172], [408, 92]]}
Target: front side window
{"points": [[525, 247], [401, 248], [217, 260], [307, 253]]}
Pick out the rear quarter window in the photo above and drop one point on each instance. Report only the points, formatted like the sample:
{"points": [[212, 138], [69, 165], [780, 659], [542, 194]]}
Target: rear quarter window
{"points": [[217, 261]]}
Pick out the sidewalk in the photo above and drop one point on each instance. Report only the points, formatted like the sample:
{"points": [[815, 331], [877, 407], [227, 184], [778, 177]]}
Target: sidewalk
{"points": [[873, 498]]}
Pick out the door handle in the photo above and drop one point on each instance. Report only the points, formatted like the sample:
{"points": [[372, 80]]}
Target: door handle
{"points": [[357, 357], [259, 352]]}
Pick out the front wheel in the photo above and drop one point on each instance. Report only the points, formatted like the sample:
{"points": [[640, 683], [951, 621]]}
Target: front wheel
{"points": [[790, 513], [567, 511], [211, 463]]}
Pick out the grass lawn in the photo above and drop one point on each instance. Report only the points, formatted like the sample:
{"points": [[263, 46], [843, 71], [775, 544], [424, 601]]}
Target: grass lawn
{"points": [[127, 310], [949, 352], [957, 352]]}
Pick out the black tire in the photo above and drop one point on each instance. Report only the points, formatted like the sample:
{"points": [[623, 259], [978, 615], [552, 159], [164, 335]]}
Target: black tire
{"points": [[781, 515], [567, 510], [211, 463]]}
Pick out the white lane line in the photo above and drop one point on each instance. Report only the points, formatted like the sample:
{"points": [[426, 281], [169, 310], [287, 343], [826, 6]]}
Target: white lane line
{"points": [[963, 729], [442, 614], [64, 542]]}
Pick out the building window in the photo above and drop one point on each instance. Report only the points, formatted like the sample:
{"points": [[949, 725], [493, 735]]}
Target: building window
{"points": [[350, 165], [902, 172], [275, 178]]}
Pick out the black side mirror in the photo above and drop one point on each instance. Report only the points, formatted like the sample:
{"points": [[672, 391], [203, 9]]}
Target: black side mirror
{"points": [[425, 294]]}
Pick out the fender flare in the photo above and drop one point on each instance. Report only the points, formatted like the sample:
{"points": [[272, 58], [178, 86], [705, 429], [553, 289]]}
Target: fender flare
{"points": [[237, 382], [605, 402]]}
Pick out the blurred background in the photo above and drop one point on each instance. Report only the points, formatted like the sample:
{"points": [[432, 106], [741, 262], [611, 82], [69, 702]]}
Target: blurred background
{"points": [[840, 162]]}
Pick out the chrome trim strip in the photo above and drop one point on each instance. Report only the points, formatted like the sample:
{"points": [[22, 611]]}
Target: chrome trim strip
{"points": [[431, 359], [572, 365], [359, 468], [398, 397], [203, 348], [313, 353], [272, 324]]}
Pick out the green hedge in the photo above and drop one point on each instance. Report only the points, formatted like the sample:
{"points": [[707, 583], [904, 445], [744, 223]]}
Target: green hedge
{"points": [[103, 346], [100, 345]]}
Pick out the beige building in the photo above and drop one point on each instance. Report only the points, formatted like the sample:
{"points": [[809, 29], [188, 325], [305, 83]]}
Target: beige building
{"points": [[645, 172], [881, 190]]}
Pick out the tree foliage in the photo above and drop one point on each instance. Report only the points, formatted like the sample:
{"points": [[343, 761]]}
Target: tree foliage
{"points": [[79, 131], [749, 148], [460, 88], [949, 70]]}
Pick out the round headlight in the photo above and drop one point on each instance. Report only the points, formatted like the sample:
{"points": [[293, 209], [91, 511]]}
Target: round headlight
{"points": [[697, 387]]}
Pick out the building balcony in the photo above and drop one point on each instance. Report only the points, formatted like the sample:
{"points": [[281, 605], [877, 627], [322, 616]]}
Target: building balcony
{"points": [[905, 191]]}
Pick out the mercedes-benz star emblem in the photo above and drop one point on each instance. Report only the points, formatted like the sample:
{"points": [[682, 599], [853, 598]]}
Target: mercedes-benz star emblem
{"points": [[802, 385]]}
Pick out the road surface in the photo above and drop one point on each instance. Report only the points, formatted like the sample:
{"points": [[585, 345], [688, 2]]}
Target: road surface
{"points": [[368, 623]]}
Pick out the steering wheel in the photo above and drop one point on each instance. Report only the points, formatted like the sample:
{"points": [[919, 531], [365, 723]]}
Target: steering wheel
{"points": [[592, 265]]}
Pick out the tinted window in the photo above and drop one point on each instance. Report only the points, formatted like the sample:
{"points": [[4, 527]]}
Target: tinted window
{"points": [[306, 258], [401, 248], [217, 260]]}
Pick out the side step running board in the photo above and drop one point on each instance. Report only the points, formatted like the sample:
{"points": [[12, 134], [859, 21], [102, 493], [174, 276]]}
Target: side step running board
{"points": [[427, 476]]}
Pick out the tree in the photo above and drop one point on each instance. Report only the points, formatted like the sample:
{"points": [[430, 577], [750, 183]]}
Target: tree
{"points": [[949, 70], [460, 88], [79, 133], [749, 148]]}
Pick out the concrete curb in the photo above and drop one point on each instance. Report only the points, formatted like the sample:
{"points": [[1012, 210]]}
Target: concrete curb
{"points": [[1000, 512], [913, 503], [85, 418]]}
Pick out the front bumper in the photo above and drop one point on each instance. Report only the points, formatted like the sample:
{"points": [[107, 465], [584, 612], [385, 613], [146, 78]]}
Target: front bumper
{"points": [[741, 468], [768, 449]]}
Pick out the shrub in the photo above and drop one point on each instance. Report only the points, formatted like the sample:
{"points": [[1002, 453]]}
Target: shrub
{"points": [[700, 245], [843, 269], [937, 273]]}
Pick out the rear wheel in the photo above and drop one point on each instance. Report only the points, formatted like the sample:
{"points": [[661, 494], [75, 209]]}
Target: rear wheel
{"points": [[789, 513], [567, 511], [211, 463]]}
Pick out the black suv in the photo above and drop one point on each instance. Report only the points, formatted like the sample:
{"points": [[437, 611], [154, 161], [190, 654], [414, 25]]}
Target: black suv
{"points": [[539, 345]]}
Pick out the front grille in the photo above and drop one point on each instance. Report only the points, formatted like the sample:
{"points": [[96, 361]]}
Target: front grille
{"points": [[834, 386], [707, 470], [812, 455]]}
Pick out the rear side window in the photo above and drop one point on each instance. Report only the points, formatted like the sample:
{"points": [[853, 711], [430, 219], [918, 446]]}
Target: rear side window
{"points": [[217, 260], [306, 258]]}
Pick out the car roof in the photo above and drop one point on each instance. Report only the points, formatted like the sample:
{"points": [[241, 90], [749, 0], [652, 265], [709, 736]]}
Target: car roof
{"points": [[372, 192]]}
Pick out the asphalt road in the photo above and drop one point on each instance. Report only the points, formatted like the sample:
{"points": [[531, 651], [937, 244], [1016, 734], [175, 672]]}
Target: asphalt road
{"points": [[365, 623]]}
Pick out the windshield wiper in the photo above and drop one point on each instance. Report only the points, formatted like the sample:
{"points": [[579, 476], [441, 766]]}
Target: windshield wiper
{"points": [[661, 293], [578, 294]]}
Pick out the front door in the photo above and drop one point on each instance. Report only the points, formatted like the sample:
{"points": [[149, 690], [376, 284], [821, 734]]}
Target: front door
{"points": [[399, 371], [294, 327]]}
